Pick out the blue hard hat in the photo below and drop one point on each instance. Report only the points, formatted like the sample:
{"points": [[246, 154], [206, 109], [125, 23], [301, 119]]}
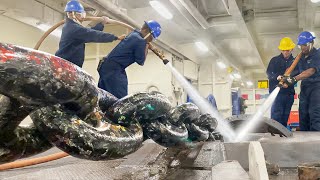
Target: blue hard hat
{"points": [[74, 6], [305, 37], [154, 27]]}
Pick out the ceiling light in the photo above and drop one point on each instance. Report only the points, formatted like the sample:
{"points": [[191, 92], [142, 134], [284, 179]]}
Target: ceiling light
{"points": [[221, 65], [237, 75], [315, 1], [45, 27], [249, 83], [202, 46], [161, 9]]}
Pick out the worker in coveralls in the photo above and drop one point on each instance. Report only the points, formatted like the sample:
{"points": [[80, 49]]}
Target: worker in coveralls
{"points": [[133, 48], [281, 107], [309, 65], [74, 35]]}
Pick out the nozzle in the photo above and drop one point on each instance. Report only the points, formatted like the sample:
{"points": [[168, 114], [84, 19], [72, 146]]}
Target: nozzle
{"points": [[165, 61], [280, 85]]}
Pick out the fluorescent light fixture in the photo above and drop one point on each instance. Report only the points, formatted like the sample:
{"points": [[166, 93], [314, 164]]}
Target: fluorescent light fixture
{"points": [[161, 9], [221, 65], [249, 83], [202, 46], [45, 27], [315, 1], [237, 75]]}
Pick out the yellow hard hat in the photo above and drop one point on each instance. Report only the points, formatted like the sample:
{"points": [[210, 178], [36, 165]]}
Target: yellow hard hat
{"points": [[286, 44]]}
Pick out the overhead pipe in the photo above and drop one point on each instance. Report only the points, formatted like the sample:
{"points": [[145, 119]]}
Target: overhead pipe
{"points": [[186, 6], [220, 21], [193, 15], [226, 6]]}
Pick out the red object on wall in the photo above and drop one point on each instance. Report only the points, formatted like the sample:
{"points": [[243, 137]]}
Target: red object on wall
{"points": [[293, 117], [245, 96], [295, 96], [258, 96]]}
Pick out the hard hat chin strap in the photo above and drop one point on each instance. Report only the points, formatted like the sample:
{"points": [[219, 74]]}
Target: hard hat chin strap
{"points": [[311, 46], [146, 36], [73, 17]]}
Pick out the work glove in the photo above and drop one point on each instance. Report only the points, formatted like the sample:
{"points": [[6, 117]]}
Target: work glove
{"points": [[289, 80], [279, 78]]}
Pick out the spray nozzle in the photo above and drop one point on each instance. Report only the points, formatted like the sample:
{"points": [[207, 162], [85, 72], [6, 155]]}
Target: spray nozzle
{"points": [[165, 61], [282, 85]]}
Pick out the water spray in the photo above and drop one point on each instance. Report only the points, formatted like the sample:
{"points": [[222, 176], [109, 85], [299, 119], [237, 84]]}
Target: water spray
{"points": [[223, 127]]}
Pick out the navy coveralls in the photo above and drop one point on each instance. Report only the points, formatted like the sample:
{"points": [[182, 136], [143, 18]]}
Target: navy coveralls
{"points": [[309, 104], [73, 39], [113, 77], [281, 107]]}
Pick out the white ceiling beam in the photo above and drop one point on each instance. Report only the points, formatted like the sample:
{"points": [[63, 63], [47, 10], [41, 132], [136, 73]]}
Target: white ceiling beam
{"points": [[226, 5], [220, 21], [276, 14], [204, 4], [237, 17], [53, 4], [256, 10], [213, 46], [191, 13], [277, 33], [230, 37], [31, 12], [306, 14], [301, 4]]}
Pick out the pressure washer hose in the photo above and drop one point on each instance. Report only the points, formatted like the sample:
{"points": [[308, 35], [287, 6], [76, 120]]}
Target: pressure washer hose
{"points": [[44, 36], [29, 162], [291, 68], [33, 161]]}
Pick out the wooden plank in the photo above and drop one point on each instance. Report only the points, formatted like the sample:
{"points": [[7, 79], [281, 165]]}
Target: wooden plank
{"points": [[257, 163]]}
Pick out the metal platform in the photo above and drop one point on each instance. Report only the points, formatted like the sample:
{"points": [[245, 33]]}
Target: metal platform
{"points": [[134, 166]]}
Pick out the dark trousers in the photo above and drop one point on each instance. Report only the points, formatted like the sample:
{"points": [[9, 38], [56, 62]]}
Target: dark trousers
{"points": [[281, 108], [309, 108], [113, 79]]}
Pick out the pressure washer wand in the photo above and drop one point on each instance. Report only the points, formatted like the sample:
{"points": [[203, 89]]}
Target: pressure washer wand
{"points": [[290, 69], [160, 55]]}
